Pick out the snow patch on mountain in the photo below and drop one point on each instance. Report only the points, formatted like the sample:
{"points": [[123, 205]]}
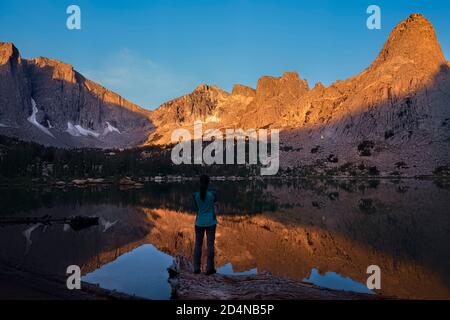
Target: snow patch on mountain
{"points": [[110, 128], [86, 132], [33, 121], [79, 131]]}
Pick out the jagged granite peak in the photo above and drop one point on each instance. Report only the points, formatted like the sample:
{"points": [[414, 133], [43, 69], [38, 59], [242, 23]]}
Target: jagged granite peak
{"points": [[291, 75], [197, 105], [242, 90], [15, 87], [8, 52], [289, 84], [206, 87], [413, 40], [400, 102], [273, 95], [59, 70], [77, 99], [319, 86]]}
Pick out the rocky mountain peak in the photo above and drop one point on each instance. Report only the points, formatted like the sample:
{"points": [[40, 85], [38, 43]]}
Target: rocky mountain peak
{"points": [[401, 99], [412, 41], [46, 100], [14, 86], [289, 85], [7, 52], [209, 90], [197, 105], [202, 87], [319, 86], [241, 90], [291, 76], [58, 70]]}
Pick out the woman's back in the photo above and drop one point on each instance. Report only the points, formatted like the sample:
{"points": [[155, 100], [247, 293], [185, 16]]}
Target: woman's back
{"points": [[205, 215], [205, 222]]}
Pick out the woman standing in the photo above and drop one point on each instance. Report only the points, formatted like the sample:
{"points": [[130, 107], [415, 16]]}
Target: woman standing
{"points": [[205, 222]]}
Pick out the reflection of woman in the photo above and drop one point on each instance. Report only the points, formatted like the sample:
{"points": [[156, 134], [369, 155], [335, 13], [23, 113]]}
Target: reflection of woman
{"points": [[205, 222]]}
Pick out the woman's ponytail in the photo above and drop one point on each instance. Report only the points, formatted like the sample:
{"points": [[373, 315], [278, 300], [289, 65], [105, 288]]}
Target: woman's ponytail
{"points": [[204, 182]]}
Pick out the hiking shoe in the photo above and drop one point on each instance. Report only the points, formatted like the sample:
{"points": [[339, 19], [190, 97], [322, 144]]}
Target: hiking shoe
{"points": [[210, 272]]}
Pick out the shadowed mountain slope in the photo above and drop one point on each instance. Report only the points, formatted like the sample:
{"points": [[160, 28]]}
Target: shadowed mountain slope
{"points": [[47, 101]]}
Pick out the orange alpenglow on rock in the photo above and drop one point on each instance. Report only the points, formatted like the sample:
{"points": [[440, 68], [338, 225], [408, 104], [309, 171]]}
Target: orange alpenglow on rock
{"points": [[410, 60], [400, 102]]}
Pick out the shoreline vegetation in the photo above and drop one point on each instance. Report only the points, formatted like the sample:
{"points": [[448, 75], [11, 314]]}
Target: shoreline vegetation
{"points": [[140, 182], [29, 163]]}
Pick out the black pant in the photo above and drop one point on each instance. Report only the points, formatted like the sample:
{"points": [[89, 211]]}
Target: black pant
{"points": [[211, 236]]}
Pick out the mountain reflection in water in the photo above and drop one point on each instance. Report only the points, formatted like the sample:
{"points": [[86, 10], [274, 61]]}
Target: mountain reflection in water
{"points": [[321, 230]]}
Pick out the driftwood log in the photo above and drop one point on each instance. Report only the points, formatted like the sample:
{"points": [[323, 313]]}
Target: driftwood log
{"points": [[263, 286], [76, 223]]}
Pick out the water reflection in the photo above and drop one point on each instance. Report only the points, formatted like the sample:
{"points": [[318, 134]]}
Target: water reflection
{"points": [[336, 281], [300, 229], [141, 272], [228, 269]]}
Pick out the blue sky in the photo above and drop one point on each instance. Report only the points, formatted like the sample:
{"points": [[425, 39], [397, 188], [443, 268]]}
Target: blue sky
{"points": [[152, 51]]}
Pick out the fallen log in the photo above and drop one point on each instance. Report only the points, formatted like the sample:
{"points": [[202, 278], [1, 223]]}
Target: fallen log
{"points": [[76, 223], [263, 286]]}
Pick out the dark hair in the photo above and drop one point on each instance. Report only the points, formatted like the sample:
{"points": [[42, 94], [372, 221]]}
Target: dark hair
{"points": [[204, 182]]}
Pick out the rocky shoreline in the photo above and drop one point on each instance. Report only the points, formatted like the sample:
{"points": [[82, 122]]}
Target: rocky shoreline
{"points": [[17, 284], [263, 286]]}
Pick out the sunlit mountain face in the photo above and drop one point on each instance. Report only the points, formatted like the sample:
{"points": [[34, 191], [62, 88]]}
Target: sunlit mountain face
{"points": [[363, 175], [399, 103]]}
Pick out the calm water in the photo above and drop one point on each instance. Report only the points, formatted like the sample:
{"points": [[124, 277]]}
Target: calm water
{"points": [[324, 232]]}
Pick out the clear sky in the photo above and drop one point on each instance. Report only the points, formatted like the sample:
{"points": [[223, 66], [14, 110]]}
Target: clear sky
{"points": [[155, 50]]}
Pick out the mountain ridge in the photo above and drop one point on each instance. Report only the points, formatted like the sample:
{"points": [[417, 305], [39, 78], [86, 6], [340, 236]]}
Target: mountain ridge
{"points": [[399, 101], [412, 48], [57, 98]]}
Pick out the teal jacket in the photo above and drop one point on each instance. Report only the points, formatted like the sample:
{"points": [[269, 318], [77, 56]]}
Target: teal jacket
{"points": [[206, 216]]}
